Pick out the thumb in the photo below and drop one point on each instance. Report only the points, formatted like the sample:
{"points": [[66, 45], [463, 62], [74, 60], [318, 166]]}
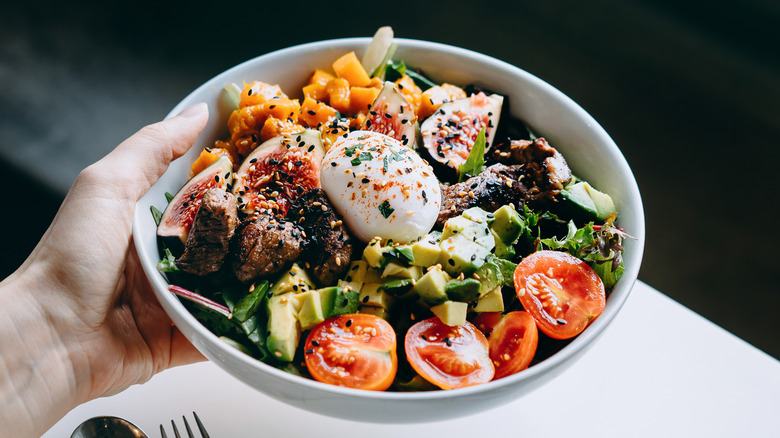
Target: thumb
{"points": [[144, 157]]}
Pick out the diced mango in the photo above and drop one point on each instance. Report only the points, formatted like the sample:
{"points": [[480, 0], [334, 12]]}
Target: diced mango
{"points": [[314, 114], [321, 77], [207, 157], [338, 90], [410, 91], [274, 127], [376, 83], [318, 92], [433, 97], [361, 98], [258, 93], [348, 67], [332, 130], [283, 108]]}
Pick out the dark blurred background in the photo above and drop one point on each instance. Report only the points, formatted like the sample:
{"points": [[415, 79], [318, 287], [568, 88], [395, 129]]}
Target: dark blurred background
{"points": [[690, 91]]}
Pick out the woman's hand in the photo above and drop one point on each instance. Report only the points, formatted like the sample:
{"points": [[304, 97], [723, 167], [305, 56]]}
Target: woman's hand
{"points": [[79, 319]]}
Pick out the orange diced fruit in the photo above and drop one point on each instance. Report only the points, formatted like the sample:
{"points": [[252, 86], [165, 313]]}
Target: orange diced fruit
{"points": [[314, 113], [433, 97], [360, 98], [258, 93], [410, 91], [338, 90], [321, 77], [348, 67], [317, 92], [207, 157], [274, 127]]}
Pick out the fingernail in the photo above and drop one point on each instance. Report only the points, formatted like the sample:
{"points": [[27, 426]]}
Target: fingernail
{"points": [[194, 111]]}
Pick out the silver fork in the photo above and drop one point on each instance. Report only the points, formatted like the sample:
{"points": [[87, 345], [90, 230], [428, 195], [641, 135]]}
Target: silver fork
{"points": [[202, 429]]}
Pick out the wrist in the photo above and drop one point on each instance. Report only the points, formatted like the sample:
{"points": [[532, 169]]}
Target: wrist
{"points": [[38, 384]]}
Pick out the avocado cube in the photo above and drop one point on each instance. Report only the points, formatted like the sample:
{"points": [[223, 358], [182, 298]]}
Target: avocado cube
{"points": [[478, 215], [579, 202], [452, 313], [461, 255], [431, 286], [337, 301], [373, 276], [503, 250], [371, 295], [354, 276], [426, 251], [473, 231], [489, 276], [294, 279], [507, 225], [376, 311], [492, 301], [466, 290], [398, 287], [283, 328], [396, 270], [373, 253], [602, 201], [309, 309]]}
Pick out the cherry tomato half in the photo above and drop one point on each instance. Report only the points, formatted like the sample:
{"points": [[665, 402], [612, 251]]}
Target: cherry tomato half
{"points": [[561, 291], [356, 351], [513, 343], [449, 357]]}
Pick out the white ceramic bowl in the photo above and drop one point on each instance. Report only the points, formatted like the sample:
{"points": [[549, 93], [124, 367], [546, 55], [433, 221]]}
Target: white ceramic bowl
{"points": [[588, 149]]}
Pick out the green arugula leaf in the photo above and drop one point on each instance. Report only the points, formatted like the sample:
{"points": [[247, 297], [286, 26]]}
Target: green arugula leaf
{"points": [[168, 263], [156, 214], [476, 159], [169, 197]]}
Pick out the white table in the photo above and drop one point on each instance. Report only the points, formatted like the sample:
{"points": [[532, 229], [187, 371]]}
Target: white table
{"points": [[659, 370]]}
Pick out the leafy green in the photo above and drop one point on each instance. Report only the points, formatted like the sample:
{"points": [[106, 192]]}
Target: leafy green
{"points": [[476, 159], [248, 305], [156, 214], [395, 70], [168, 263], [169, 197]]}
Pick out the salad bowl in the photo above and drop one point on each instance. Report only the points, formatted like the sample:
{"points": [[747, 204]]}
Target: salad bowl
{"points": [[588, 149]]}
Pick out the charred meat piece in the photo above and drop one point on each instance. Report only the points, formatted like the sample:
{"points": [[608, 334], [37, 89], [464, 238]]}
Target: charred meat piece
{"points": [[496, 186], [209, 239], [544, 165], [265, 245], [329, 247]]}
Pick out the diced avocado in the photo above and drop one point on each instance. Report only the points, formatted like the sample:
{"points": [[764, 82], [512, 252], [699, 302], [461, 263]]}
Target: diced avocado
{"points": [[503, 250], [294, 279], [474, 231], [399, 287], [283, 327], [337, 301], [431, 286], [492, 301], [396, 270], [373, 253], [349, 286], [376, 311], [466, 290], [507, 225], [478, 215], [309, 309], [459, 254], [602, 201], [579, 201], [426, 251], [373, 276], [371, 295], [356, 272], [451, 313], [489, 276]]}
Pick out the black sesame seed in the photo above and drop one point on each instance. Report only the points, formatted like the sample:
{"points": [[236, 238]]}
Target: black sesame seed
{"points": [[365, 180], [249, 93], [315, 343], [365, 299], [312, 112], [451, 262], [216, 178], [561, 321], [310, 351], [349, 321], [448, 342], [333, 163]]}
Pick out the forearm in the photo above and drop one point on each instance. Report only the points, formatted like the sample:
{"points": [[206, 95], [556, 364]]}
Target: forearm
{"points": [[37, 382]]}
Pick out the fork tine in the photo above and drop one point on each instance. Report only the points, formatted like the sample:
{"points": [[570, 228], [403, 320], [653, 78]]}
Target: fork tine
{"points": [[175, 429], [202, 429], [162, 432], [187, 425]]}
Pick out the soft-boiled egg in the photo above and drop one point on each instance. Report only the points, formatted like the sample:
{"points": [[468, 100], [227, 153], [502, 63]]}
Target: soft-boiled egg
{"points": [[380, 187]]}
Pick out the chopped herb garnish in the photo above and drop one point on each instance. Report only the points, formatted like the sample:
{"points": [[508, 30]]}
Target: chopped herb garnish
{"points": [[385, 166], [350, 151], [386, 209]]}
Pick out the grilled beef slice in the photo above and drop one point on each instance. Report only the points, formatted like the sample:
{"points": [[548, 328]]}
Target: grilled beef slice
{"points": [[264, 245], [535, 175], [209, 238], [329, 246]]}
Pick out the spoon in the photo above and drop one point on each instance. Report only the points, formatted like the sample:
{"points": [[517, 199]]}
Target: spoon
{"points": [[107, 427]]}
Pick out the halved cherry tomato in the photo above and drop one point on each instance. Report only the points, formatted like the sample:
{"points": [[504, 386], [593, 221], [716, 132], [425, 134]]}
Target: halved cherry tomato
{"points": [[561, 291], [487, 321], [448, 357], [513, 343], [356, 351]]}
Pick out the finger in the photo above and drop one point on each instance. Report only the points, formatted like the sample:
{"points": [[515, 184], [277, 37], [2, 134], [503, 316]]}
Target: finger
{"points": [[137, 163], [182, 351]]}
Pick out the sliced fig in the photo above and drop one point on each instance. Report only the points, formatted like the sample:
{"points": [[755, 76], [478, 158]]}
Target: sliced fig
{"points": [[278, 171], [177, 219], [391, 114], [449, 133]]}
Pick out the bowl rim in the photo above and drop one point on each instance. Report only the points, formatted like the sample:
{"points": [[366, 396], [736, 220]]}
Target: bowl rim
{"points": [[616, 298]]}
